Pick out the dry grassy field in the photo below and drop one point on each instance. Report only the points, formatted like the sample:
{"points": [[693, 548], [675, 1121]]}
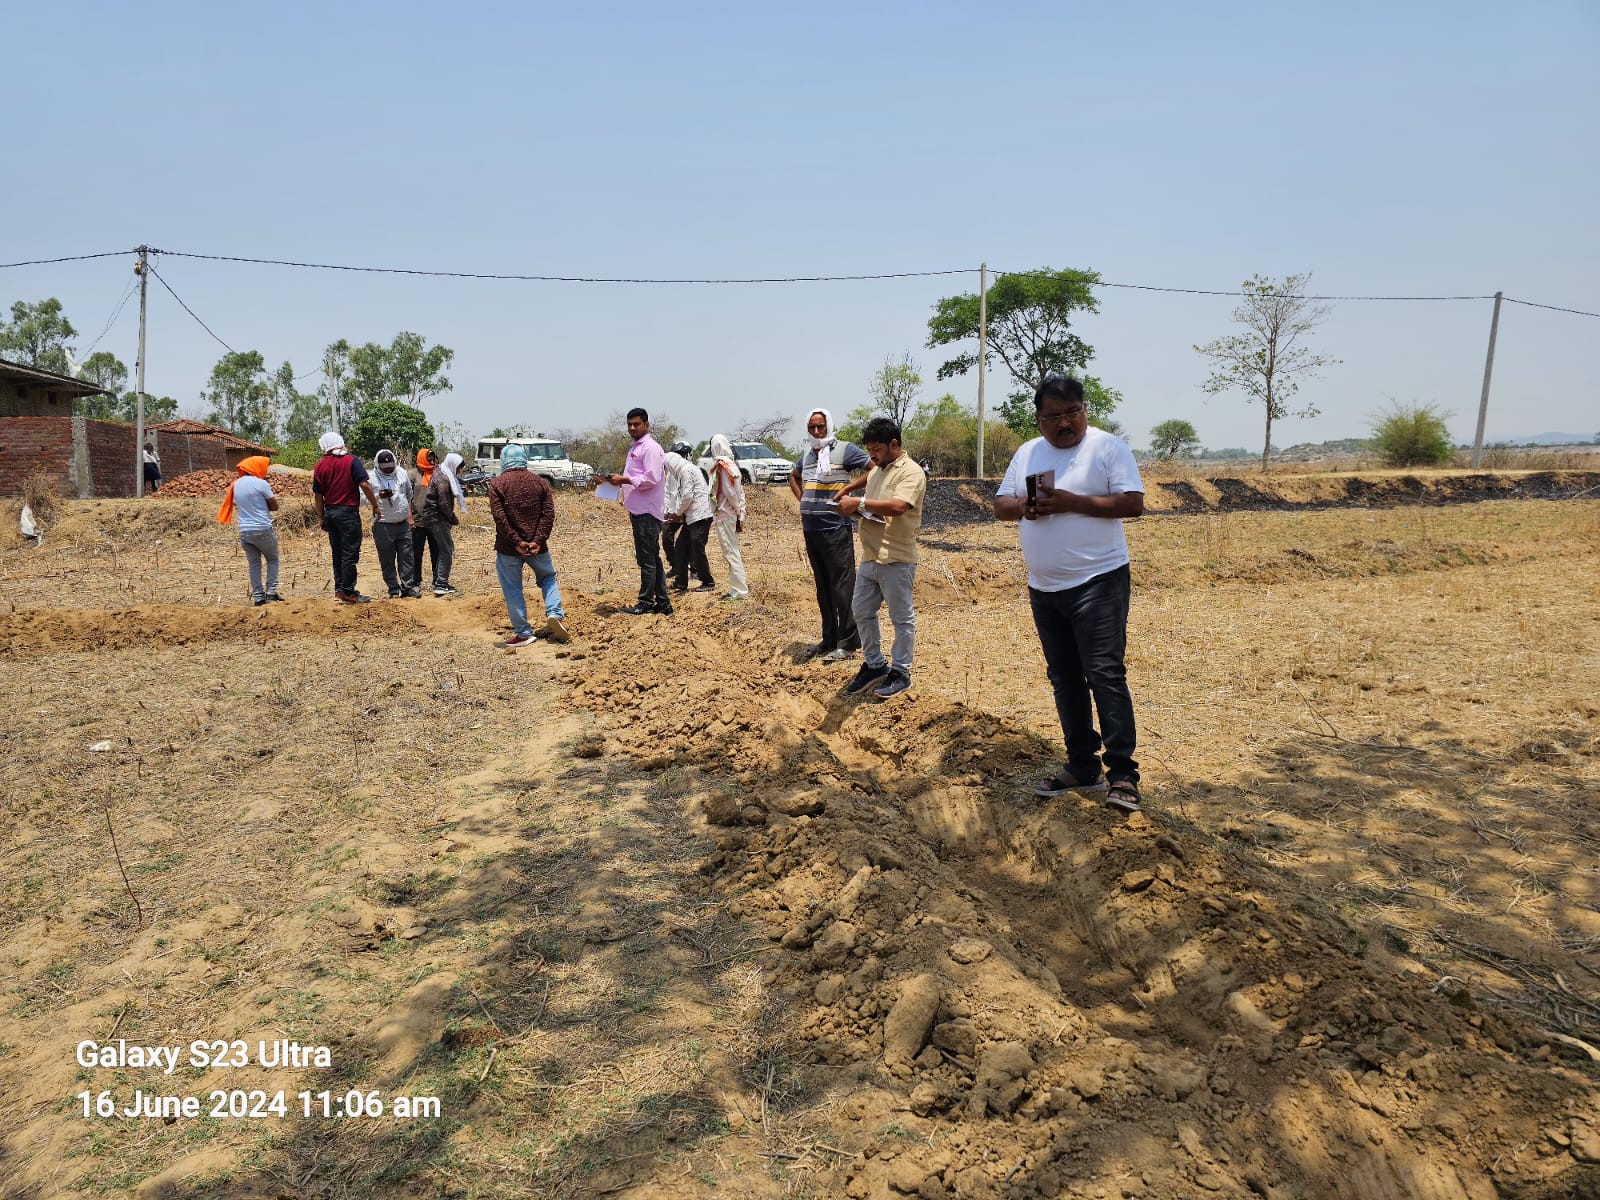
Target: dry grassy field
{"points": [[660, 914]]}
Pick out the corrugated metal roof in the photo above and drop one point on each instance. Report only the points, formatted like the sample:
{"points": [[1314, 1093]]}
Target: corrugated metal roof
{"points": [[41, 378]]}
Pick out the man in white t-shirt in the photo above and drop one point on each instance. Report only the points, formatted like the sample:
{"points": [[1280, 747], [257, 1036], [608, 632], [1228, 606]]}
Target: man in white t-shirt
{"points": [[1070, 488]]}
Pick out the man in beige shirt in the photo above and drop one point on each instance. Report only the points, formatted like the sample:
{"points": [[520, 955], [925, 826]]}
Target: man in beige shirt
{"points": [[891, 514]]}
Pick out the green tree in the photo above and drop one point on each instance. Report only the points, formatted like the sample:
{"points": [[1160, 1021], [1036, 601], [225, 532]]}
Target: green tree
{"points": [[1017, 410], [1412, 435], [391, 423], [302, 415], [406, 369], [894, 387], [1174, 438], [1030, 325], [1268, 360], [849, 427], [38, 336], [104, 370], [156, 408], [240, 397], [946, 434]]}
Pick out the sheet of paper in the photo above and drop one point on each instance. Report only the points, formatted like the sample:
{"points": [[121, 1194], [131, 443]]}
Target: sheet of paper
{"points": [[607, 491]]}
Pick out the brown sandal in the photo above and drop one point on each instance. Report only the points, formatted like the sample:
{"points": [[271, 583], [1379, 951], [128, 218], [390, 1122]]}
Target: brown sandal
{"points": [[1064, 781]]}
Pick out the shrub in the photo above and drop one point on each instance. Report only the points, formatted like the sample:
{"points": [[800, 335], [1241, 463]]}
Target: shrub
{"points": [[298, 454], [1412, 435]]}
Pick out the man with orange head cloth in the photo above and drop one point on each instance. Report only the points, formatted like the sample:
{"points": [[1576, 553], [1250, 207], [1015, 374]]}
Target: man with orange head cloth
{"points": [[250, 505]]}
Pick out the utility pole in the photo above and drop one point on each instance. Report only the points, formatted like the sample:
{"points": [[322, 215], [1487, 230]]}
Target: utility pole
{"points": [[142, 270], [333, 388], [1488, 370], [983, 350]]}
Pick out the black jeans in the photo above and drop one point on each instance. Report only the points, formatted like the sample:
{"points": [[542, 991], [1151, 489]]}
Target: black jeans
{"points": [[343, 524], [419, 542], [441, 551], [669, 540], [1084, 632], [833, 565], [691, 548], [647, 553]]}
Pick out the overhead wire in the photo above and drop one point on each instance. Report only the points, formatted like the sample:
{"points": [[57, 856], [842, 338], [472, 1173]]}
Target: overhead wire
{"points": [[726, 280], [189, 310], [40, 262], [1552, 307], [116, 312], [279, 262]]}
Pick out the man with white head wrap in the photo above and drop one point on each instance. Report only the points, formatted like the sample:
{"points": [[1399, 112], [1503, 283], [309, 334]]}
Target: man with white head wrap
{"points": [[727, 502], [691, 505], [437, 515], [391, 532], [827, 470], [337, 484]]}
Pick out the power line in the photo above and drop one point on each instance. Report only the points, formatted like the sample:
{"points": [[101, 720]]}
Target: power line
{"points": [[533, 278], [278, 262], [1151, 287], [1551, 307], [117, 312], [189, 310], [39, 262]]}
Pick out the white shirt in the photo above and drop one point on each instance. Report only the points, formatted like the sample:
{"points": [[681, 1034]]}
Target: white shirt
{"points": [[1065, 550], [686, 490]]}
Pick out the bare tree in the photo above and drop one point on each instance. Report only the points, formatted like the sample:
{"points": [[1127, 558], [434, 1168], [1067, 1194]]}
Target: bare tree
{"points": [[1267, 361], [769, 430], [894, 388]]}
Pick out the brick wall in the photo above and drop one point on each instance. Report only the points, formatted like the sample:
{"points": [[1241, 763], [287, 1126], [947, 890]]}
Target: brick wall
{"points": [[82, 457], [181, 453]]}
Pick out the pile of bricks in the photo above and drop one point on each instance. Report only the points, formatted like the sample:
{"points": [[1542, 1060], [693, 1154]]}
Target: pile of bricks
{"points": [[214, 483]]}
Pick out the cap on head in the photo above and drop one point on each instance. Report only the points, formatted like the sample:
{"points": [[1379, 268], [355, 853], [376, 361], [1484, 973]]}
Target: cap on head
{"points": [[385, 456]]}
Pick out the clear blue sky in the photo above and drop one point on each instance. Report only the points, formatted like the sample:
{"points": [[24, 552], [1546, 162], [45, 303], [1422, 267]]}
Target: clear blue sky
{"points": [[1439, 148]]}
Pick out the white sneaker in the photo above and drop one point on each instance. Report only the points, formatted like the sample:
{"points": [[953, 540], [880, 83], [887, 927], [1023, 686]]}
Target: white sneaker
{"points": [[517, 643]]}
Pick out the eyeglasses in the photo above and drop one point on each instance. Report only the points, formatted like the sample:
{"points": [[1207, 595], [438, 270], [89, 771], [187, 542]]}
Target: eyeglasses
{"points": [[1066, 414]]}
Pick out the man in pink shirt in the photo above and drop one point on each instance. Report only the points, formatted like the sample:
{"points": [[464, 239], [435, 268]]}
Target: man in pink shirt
{"points": [[644, 496]]}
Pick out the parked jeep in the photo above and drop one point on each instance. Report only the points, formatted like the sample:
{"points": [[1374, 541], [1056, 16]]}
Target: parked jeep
{"points": [[757, 463], [546, 457]]}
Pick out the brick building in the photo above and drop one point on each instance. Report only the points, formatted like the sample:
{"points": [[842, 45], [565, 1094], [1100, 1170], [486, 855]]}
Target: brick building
{"points": [[39, 432], [186, 446], [94, 458]]}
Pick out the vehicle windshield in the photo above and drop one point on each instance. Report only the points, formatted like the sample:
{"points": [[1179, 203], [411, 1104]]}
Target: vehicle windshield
{"points": [[544, 451], [746, 450]]}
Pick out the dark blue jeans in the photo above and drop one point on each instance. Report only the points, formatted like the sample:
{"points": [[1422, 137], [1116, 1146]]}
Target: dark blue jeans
{"points": [[343, 524], [1084, 632], [647, 553]]}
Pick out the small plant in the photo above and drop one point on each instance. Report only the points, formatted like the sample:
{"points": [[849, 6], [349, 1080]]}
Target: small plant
{"points": [[1412, 435]]}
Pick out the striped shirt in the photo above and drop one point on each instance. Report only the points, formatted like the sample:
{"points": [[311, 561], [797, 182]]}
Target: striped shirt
{"points": [[845, 461]]}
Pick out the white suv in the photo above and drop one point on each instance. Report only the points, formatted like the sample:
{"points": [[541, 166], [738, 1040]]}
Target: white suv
{"points": [[757, 463], [546, 457]]}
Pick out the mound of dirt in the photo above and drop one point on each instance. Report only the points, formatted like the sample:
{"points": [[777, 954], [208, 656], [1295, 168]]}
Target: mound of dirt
{"points": [[1046, 999]]}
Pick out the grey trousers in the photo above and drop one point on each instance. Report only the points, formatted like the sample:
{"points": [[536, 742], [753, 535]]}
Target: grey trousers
{"points": [[260, 545], [878, 584]]}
